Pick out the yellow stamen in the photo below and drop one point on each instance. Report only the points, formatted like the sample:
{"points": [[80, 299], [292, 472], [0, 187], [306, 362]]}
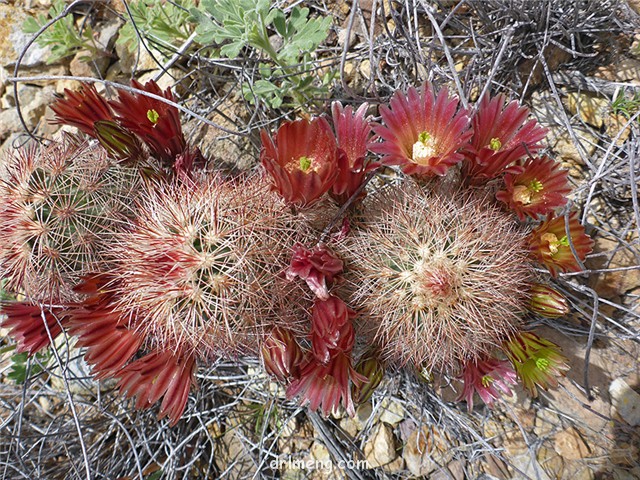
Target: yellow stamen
{"points": [[424, 148]]}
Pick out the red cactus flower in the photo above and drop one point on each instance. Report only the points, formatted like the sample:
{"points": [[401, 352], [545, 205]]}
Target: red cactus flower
{"points": [[547, 302], [156, 375], [331, 328], [28, 325], [118, 141], [103, 329], [318, 267], [302, 160], [353, 131], [536, 360], [154, 121], [327, 386], [540, 188], [422, 131], [488, 377], [281, 354], [501, 136], [82, 109], [550, 244]]}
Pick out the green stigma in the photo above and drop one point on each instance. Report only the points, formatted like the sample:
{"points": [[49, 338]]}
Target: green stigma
{"points": [[305, 163], [542, 364], [495, 144], [153, 116], [424, 137], [535, 186], [487, 380], [564, 241]]}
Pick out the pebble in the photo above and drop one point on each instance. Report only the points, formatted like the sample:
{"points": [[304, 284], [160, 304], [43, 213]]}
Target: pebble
{"points": [[570, 444], [626, 401], [380, 448]]}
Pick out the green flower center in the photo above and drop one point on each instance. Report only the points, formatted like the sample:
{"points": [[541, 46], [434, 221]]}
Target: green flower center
{"points": [[487, 380], [495, 144], [153, 116], [535, 186], [305, 163], [542, 364]]}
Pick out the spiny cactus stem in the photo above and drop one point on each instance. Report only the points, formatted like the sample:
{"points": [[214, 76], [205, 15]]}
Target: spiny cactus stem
{"points": [[327, 230]]}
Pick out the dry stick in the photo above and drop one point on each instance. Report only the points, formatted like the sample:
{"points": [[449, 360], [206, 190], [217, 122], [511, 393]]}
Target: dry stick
{"points": [[72, 406], [130, 90], [23, 52], [447, 53], [332, 445], [634, 186], [176, 56], [494, 69]]}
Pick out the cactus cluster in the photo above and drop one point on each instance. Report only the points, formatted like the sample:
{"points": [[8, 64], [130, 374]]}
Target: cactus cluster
{"points": [[134, 244]]}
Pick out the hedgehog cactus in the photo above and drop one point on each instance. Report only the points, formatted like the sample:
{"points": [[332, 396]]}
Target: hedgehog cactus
{"points": [[202, 267], [441, 279], [56, 205]]}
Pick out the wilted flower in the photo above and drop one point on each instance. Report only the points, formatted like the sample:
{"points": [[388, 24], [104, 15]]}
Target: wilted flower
{"points": [[547, 302], [422, 131], [353, 132], [82, 109], [331, 328], [160, 374], [488, 377], [501, 136], [550, 244], [540, 188], [31, 326], [327, 385], [281, 354], [537, 361], [301, 159], [371, 367], [318, 267]]}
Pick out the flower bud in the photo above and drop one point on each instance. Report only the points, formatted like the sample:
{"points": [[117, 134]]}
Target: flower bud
{"points": [[281, 354], [372, 368], [118, 141], [548, 302]]}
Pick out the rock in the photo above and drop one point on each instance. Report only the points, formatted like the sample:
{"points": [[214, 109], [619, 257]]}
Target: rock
{"points": [[380, 448], [551, 462], [391, 411], [591, 108], [140, 60], [526, 467], [394, 467], [617, 283], [4, 82], [565, 149], [87, 64], [546, 422], [514, 443], [570, 445], [363, 414], [349, 426], [425, 451], [9, 123], [454, 470], [624, 70], [76, 374], [14, 40], [626, 401], [232, 456]]}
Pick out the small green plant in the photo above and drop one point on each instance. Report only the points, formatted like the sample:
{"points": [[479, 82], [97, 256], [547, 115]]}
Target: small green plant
{"points": [[289, 71], [19, 364], [626, 106], [64, 37], [162, 23]]}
